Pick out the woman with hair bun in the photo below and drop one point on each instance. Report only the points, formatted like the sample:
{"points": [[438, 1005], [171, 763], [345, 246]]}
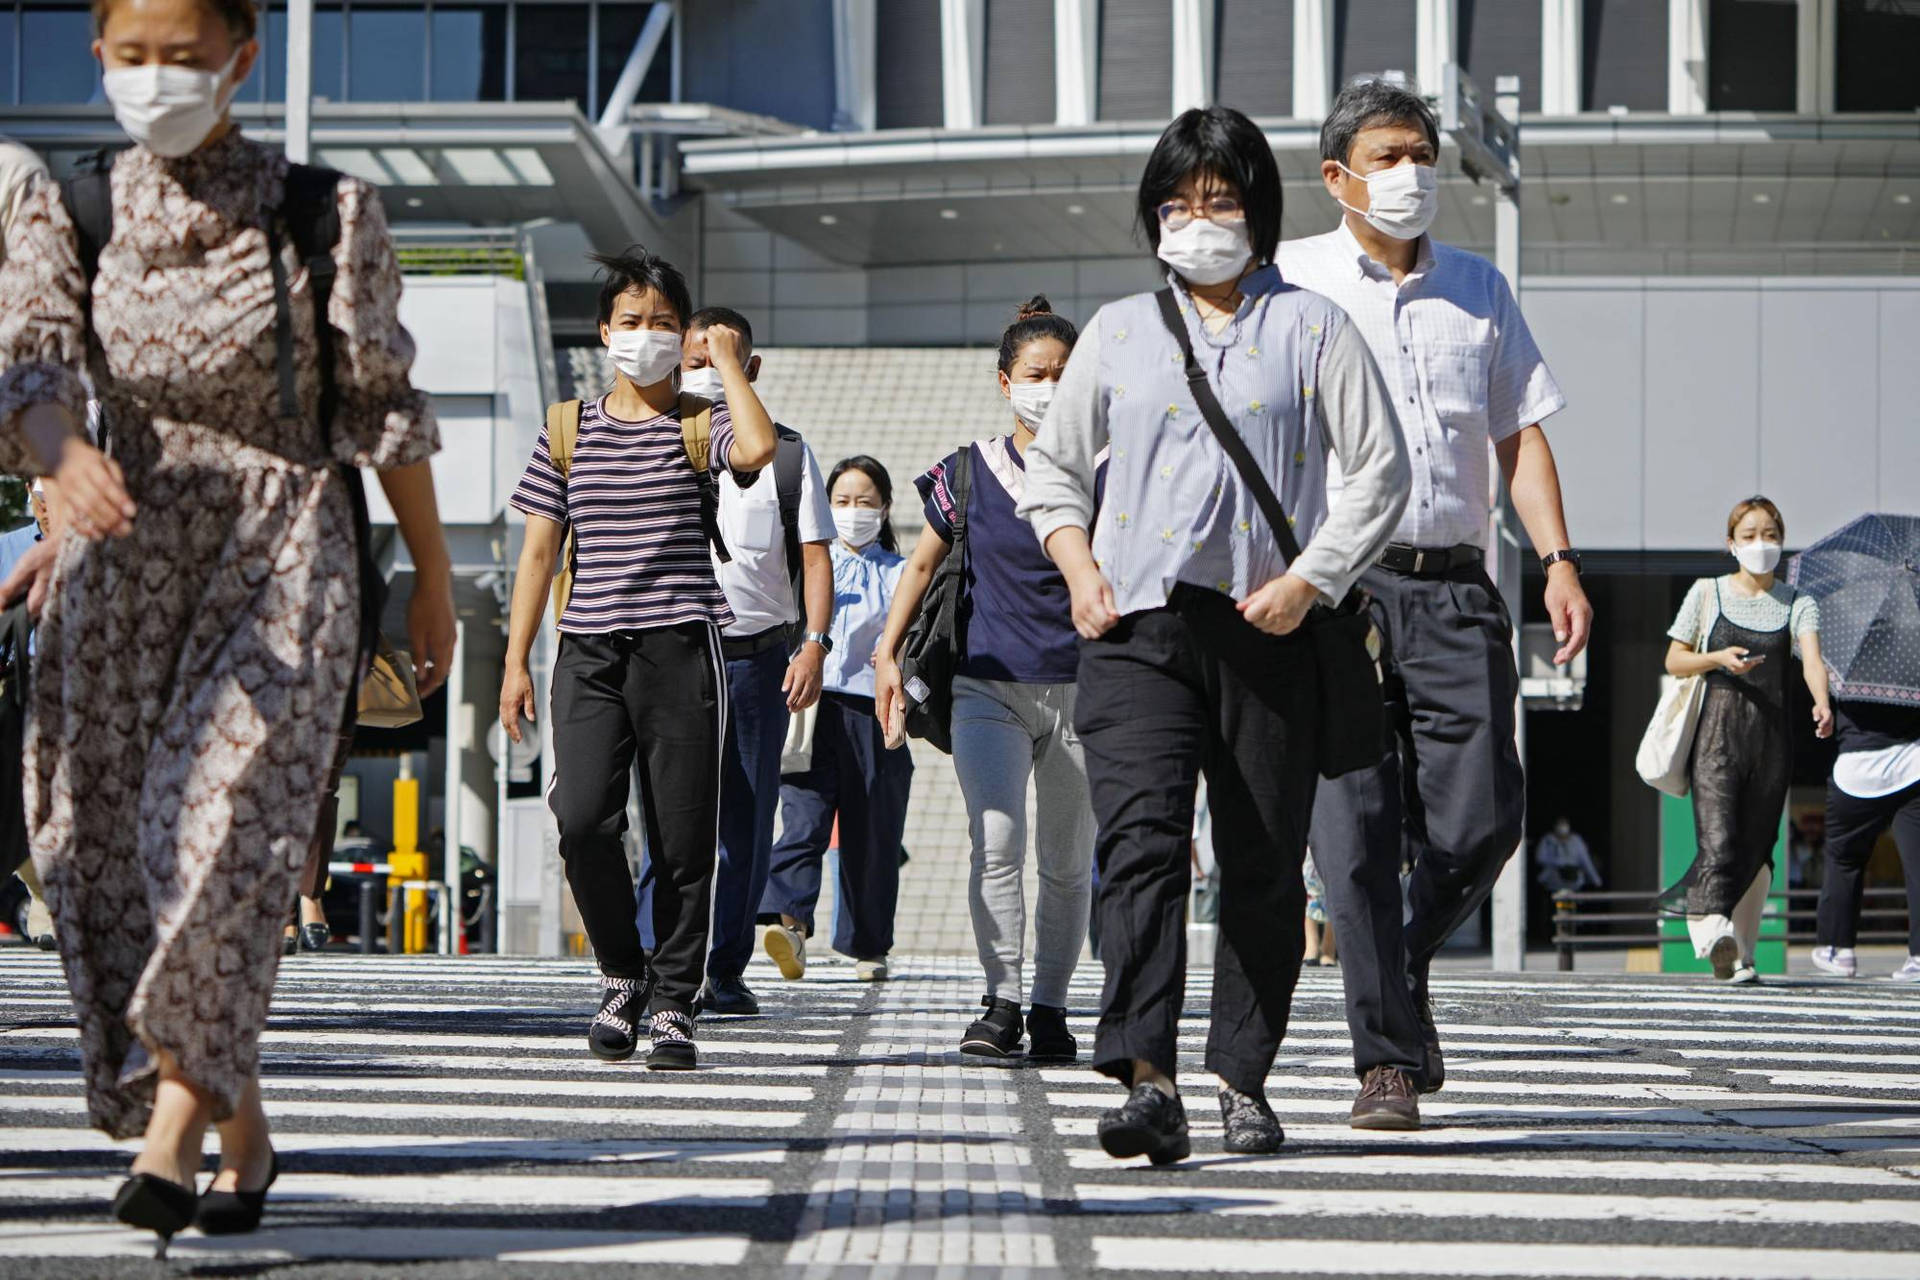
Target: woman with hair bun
{"points": [[1012, 706]]}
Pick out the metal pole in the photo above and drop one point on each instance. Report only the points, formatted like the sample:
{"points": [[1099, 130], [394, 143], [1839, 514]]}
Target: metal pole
{"points": [[1510, 891], [299, 141], [451, 933]]}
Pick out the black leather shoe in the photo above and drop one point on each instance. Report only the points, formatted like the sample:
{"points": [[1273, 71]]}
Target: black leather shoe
{"points": [[1252, 1128], [995, 1033], [1048, 1039], [315, 937], [1148, 1123], [1435, 1067], [233, 1213], [730, 997], [290, 943], [154, 1204], [1387, 1101]]}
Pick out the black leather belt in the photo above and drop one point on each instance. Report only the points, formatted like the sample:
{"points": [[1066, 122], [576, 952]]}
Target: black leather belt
{"points": [[732, 647], [1429, 561]]}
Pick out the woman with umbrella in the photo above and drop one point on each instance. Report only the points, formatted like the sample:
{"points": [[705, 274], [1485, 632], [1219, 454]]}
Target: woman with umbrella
{"points": [[1867, 578], [1738, 631]]}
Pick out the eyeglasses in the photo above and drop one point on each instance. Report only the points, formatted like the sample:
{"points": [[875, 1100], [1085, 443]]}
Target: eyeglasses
{"points": [[1175, 214]]}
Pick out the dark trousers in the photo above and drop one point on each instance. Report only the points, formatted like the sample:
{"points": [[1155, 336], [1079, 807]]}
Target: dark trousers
{"points": [[749, 797], [1449, 796], [1165, 696], [656, 699], [1853, 827], [854, 775]]}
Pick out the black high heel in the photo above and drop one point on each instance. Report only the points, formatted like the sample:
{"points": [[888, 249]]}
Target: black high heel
{"points": [[155, 1204], [233, 1213]]}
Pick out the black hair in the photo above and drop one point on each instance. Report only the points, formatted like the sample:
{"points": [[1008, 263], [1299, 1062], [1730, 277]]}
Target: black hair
{"points": [[1369, 104], [637, 269], [1035, 319], [872, 469], [1220, 141], [708, 316]]}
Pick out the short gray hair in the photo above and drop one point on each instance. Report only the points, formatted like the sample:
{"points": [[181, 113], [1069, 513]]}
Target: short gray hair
{"points": [[1368, 104]]}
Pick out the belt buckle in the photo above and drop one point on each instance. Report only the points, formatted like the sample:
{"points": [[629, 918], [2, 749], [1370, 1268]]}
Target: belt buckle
{"points": [[1419, 560]]}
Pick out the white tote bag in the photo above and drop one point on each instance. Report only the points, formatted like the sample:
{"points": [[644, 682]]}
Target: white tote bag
{"points": [[1665, 757], [796, 753]]}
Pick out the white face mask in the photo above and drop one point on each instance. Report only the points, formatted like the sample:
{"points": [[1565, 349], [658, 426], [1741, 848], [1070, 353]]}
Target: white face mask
{"points": [[857, 526], [1402, 201], [169, 110], [1757, 558], [704, 381], [1205, 252], [1031, 400], [646, 356]]}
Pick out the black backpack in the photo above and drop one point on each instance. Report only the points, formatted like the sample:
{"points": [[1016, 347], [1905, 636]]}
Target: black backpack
{"points": [[789, 465], [309, 213], [930, 651]]}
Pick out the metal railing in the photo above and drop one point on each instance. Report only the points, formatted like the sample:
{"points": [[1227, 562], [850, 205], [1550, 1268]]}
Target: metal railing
{"points": [[1579, 918]]}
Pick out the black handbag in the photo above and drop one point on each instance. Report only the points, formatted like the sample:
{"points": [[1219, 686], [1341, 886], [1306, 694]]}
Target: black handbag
{"points": [[16, 666], [930, 651], [1346, 644]]}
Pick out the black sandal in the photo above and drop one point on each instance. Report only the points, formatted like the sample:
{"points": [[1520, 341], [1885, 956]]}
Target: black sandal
{"points": [[233, 1213], [156, 1204]]}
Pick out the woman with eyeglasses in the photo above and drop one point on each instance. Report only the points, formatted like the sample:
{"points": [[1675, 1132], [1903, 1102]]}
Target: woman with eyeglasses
{"points": [[1192, 659]]}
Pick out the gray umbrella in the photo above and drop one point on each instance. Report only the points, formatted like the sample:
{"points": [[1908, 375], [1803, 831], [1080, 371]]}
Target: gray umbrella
{"points": [[1866, 577]]}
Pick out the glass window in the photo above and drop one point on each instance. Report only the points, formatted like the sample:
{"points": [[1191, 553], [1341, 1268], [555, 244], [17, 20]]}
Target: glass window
{"points": [[1501, 38], [329, 53], [1371, 37], [619, 27], [1752, 48], [550, 53], [1625, 51], [1876, 49], [469, 53], [8, 44], [386, 54], [62, 67]]}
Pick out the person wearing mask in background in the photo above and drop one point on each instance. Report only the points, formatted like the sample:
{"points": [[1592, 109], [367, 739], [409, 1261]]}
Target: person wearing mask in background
{"points": [[1565, 865], [776, 525], [15, 547], [640, 679], [853, 773], [1464, 374], [1739, 631], [1193, 657], [175, 753], [1012, 708], [1875, 785]]}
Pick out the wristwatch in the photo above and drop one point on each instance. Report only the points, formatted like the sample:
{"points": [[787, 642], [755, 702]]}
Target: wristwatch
{"points": [[1569, 555], [820, 638]]}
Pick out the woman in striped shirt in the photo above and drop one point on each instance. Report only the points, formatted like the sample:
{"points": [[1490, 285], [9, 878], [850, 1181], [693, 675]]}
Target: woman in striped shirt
{"points": [[639, 677]]}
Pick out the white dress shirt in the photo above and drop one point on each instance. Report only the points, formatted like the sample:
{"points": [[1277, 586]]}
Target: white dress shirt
{"points": [[1457, 355], [756, 581]]}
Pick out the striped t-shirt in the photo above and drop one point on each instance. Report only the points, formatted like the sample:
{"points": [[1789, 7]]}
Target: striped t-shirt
{"points": [[641, 557]]}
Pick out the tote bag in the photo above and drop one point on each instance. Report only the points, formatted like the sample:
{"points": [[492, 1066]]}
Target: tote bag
{"points": [[1666, 749]]}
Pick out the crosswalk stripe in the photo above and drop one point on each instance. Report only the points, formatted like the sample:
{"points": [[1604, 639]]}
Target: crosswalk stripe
{"points": [[1440, 1258], [374, 1244], [435, 1146], [451, 1190], [1421, 1164], [639, 1083], [527, 1112]]}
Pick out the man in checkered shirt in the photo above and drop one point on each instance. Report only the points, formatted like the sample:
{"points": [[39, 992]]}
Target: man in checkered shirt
{"points": [[1467, 380]]}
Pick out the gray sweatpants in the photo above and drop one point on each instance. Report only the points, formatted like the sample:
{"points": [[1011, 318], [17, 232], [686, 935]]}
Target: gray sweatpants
{"points": [[1002, 733]]}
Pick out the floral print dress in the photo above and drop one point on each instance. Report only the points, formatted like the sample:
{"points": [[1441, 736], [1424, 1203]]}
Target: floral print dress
{"points": [[191, 678]]}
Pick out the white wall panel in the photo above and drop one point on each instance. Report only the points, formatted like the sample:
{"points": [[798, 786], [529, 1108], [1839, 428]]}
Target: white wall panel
{"points": [[451, 319], [1899, 402], [1819, 376], [1702, 411], [1593, 342]]}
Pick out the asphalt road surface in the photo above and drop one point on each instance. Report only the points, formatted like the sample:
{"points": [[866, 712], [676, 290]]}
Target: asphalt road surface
{"points": [[440, 1117]]}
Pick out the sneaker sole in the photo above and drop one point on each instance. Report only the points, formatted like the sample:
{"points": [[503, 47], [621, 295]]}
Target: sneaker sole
{"points": [[1129, 1143], [984, 1049], [1723, 956], [611, 1056], [1263, 1147], [1385, 1122], [780, 949], [676, 1064]]}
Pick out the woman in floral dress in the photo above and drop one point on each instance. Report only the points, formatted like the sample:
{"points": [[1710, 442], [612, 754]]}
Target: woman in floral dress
{"points": [[198, 644]]}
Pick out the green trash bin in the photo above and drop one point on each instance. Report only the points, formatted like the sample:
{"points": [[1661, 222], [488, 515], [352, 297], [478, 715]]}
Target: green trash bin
{"points": [[1677, 848]]}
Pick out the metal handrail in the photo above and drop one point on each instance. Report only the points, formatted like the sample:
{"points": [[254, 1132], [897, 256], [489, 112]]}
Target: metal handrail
{"points": [[1567, 917]]}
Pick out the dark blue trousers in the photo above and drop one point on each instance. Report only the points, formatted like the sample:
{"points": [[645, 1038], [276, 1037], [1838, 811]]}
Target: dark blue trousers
{"points": [[854, 775], [749, 792]]}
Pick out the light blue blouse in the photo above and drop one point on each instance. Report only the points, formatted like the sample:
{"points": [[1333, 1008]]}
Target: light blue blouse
{"points": [[863, 583]]}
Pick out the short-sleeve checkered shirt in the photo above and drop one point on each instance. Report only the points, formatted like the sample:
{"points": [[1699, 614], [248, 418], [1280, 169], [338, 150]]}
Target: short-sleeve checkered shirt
{"points": [[1459, 359]]}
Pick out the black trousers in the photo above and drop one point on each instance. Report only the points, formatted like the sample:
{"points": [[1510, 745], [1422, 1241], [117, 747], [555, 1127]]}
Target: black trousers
{"points": [[1853, 827], [1449, 796], [1167, 695], [655, 699]]}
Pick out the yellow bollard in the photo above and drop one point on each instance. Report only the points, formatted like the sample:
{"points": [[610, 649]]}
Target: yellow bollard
{"points": [[408, 861]]}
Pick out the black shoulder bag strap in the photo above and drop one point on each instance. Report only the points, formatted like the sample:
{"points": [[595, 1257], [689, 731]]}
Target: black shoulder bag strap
{"points": [[1345, 645], [1235, 447], [87, 194]]}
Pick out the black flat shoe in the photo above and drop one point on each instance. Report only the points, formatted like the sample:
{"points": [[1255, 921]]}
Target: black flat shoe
{"points": [[996, 1033], [1149, 1124], [290, 944], [233, 1213], [154, 1204], [315, 937], [1048, 1039]]}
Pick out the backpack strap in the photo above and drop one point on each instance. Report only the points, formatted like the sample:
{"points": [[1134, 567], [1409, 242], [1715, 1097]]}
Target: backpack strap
{"points": [[696, 436], [789, 464], [310, 206], [88, 195], [563, 433]]}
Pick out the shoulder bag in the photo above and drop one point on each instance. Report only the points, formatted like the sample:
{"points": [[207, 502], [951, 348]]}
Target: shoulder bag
{"points": [[1345, 642], [930, 651], [1665, 758]]}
